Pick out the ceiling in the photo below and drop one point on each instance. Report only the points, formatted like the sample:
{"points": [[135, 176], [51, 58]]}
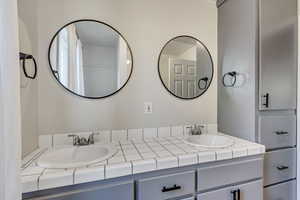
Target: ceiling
{"points": [[96, 34]]}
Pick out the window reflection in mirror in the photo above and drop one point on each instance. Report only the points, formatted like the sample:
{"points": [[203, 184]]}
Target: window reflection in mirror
{"points": [[185, 67], [90, 59]]}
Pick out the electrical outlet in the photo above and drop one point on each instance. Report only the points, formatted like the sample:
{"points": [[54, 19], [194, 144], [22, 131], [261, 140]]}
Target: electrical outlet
{"points": [[148, 107]]}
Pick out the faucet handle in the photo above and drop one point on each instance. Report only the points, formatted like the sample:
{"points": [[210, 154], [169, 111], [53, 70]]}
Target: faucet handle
{"points": [[91, 139], [76, 139]]}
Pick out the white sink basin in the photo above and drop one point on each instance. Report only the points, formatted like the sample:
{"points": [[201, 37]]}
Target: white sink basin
{"points": [[209, 141], [76, 156]]}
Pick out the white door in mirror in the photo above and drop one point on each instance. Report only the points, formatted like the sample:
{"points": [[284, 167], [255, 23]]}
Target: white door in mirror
{"points": [[76, 156], [209, 141]]}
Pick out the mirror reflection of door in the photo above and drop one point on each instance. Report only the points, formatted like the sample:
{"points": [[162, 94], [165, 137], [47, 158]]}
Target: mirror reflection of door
{"points": [[90, 58], [183, 77], [185, 67]]}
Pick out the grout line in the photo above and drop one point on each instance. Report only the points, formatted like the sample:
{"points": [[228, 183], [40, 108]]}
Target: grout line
{"points": [[74, 175], [151, 149], [122, 151], [104, 173], [166, 149], [127, 134], [131, 166], [137, 150], [110, 136], [52, 141], [177, 146], [34, 157], [38, 180]]}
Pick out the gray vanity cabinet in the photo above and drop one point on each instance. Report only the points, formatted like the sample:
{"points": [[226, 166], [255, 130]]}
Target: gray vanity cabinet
{"points": [[249, 191], [124, 191], [278, 54], [240, 175]]}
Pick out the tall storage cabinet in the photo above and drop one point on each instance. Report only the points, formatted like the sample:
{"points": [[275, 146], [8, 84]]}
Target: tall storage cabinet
{"points": [[258, 40], [278, 54]]}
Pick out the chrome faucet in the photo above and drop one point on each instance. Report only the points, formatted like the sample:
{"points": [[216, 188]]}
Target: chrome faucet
{"points": [[196, 129], [82, 141]]}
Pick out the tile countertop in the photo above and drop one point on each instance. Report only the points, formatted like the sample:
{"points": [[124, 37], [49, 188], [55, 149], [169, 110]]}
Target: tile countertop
{"points": [[133, 157]]}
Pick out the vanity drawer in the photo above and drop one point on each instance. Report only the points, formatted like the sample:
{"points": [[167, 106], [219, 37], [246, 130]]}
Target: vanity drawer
{"points": [[165, 187], [124, 191], [281, 191], [227, 174], [277, 131], [279, 166]]}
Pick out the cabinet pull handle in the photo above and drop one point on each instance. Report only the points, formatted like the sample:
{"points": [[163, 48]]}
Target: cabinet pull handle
{"points": [[175, 187], [282, 133], [282, 167], [266, 97], [236, 194]]}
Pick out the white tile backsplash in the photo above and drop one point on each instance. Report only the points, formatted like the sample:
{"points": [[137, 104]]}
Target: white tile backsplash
{"points": [[135, 134], [164, 132], [212, 128], [62, 139], [118, 135], [187, 129], [150, 133], [177, 131], [103, 136]]}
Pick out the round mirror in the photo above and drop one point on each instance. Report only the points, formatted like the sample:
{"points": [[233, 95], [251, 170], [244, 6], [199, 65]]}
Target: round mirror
{"points": [[90, 59], [185, 67]]}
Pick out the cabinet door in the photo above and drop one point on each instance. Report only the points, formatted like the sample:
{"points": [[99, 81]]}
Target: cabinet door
{"points": [[249, 191], [278, 54]]}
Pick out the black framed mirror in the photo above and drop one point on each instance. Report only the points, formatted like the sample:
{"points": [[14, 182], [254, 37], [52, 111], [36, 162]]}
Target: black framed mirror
{"points": [[90, 59], [185, 67]]}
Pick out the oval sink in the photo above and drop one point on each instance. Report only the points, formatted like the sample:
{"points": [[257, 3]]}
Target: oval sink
{"points": [[76, 156], [209, 141]]}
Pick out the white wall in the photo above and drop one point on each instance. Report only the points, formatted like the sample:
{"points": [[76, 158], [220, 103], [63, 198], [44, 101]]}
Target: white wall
{"points": [[100, 68], [29, 88], [10, 137], [147, 26]]}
